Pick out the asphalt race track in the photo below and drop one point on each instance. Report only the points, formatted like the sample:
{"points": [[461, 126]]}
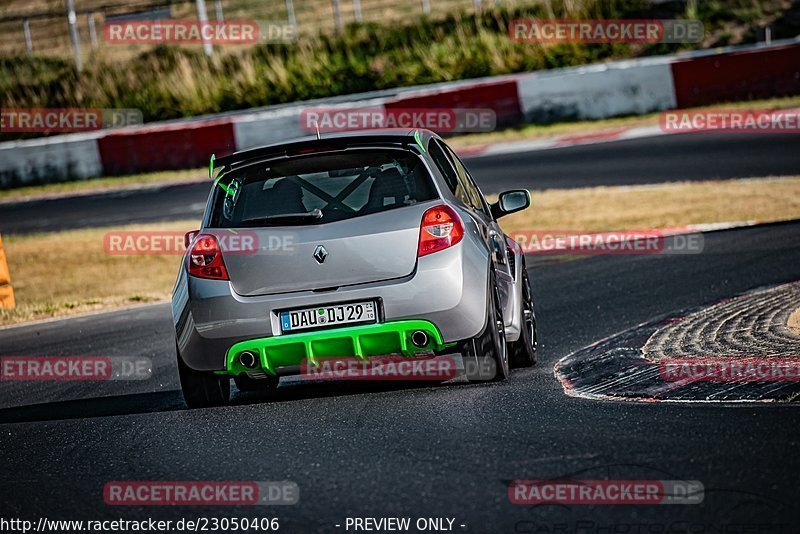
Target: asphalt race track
{"points": [[636, 161], [683, 157], [446, 451], [439, 451]]}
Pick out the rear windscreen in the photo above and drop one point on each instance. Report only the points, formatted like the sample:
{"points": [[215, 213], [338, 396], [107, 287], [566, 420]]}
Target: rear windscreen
{"points": [[321, 188]]}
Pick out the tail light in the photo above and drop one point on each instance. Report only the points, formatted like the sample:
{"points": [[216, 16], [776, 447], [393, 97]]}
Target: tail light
{"points": [[441, 228], [205, 259]]}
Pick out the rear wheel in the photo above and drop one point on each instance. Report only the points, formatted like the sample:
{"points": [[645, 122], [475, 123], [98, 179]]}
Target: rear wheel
{"points": [[203, 389], [486, 356], [523, 352]]}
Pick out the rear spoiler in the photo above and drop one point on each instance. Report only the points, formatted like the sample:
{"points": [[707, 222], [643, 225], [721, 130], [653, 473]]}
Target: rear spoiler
{"points": [[302, 146]]}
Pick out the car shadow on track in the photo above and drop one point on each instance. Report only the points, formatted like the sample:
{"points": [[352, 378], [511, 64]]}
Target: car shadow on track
{"points": [[161, 401], [301, 391], [168, 401]]}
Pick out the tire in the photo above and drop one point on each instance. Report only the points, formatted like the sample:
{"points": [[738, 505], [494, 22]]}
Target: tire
{"points": [[203, 389], [524, 351], [486, 356], [245, 383]]}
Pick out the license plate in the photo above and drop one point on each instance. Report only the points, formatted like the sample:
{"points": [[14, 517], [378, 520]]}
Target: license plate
{"points": [[336, 314]]}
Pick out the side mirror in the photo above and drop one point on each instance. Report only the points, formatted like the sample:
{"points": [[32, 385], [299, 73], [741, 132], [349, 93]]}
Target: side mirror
{"points": [[189, 237], [511, 202]]}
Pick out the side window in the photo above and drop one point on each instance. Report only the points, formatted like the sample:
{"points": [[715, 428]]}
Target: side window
{"points": [[465, 180], [444, 165]]}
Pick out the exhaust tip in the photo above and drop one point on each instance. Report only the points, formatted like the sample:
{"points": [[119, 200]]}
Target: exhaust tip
{"points": [[419, 338], [247, 359]]}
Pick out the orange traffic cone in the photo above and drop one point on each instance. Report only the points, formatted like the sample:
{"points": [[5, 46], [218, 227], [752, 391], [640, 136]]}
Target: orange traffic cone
{"points": [[6, 291]]}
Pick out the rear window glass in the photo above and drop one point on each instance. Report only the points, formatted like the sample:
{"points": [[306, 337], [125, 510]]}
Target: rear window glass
{"points": [[340, 185]]}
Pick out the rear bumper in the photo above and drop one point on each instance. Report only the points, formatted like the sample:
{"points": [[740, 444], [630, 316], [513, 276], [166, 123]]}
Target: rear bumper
{"points": [[281, 355], [447, 289]]}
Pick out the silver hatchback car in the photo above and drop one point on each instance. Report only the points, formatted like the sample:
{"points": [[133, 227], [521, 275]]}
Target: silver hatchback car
{"points": [[356, 245]]}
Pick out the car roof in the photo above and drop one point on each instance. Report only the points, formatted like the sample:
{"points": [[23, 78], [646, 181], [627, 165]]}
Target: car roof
{"points": [[327, 141]]}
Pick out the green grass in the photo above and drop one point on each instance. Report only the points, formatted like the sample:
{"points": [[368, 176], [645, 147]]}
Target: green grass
{"points": [[89, 280]]}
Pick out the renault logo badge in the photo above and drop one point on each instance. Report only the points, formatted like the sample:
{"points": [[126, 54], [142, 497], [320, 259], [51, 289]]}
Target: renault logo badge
{"points": [[320, 254]]}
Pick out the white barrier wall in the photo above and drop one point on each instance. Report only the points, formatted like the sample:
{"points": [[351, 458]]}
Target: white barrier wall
{"points": [[267, 127], [597, 91], [47, 160]]}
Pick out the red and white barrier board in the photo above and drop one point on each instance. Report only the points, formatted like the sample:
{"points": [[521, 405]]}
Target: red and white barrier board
{"points": [[588, 92]]}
